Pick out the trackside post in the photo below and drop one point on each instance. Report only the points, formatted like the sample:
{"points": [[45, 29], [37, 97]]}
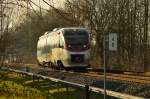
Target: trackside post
{"points": [[87, 92]]}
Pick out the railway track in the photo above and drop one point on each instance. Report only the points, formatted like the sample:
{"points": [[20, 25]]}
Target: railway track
{"points": [[110, 76], [121, 77], [77, 85], [114, 81]]}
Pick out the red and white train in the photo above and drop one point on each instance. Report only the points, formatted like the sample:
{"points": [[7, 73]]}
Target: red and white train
{"points": [[64, 48]]}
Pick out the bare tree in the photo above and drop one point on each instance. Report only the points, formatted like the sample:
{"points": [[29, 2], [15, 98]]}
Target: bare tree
{"points": [[128, 18]]}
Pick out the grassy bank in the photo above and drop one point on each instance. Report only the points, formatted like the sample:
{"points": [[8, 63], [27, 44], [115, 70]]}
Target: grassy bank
{"points": [[17, 86]]}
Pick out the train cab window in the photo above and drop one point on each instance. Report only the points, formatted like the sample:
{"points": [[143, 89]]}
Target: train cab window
{"points": [[76, 36]]}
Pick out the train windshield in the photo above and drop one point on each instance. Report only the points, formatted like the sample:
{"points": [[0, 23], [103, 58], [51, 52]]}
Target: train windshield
{"points": [[76, 36]]}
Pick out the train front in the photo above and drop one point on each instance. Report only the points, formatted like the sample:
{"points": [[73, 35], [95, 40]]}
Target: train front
{"points": [[77, 46]]}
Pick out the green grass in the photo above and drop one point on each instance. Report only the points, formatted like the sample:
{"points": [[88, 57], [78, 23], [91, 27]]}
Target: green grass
{"points": [[9, 89], [14, 86]]}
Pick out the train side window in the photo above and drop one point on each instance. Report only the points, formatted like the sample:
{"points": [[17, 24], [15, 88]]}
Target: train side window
{"points": [[60, 43], [55, 40]]}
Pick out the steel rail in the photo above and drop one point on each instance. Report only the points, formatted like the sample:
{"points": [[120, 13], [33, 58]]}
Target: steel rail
{"points": [[117, 77], [121, 78], [113, 76]]}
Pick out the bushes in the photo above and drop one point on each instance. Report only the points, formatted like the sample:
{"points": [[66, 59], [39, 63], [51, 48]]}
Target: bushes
{"points": [[13, 90]]}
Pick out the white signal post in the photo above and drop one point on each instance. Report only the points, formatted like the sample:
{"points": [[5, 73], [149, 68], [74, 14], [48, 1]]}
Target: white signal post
{"points": [[112, 47], [104, 53], [113, 42]]}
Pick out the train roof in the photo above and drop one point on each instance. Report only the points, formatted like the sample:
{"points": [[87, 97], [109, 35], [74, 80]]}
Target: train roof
{"points": [[71, 28], [60, 29]]}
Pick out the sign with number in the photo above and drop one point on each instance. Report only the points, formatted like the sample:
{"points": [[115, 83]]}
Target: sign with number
{"points": [[113, 42]]}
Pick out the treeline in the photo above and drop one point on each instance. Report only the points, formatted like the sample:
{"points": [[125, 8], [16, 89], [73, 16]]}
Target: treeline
{"points": [[128, 18]]}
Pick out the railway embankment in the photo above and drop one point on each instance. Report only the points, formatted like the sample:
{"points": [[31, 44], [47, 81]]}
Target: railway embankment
{"points": [[18, 86], [123, 87]]}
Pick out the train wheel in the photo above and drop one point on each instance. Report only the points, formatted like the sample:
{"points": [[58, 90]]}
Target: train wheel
{"points": [[50, 64], [43, 63], [53, 65], [67, 69], [60, 65], [39, 64], [89, 65]]}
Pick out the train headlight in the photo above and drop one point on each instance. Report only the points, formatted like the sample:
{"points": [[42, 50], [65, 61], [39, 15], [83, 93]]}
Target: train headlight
{"points": [[84, 46]]}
